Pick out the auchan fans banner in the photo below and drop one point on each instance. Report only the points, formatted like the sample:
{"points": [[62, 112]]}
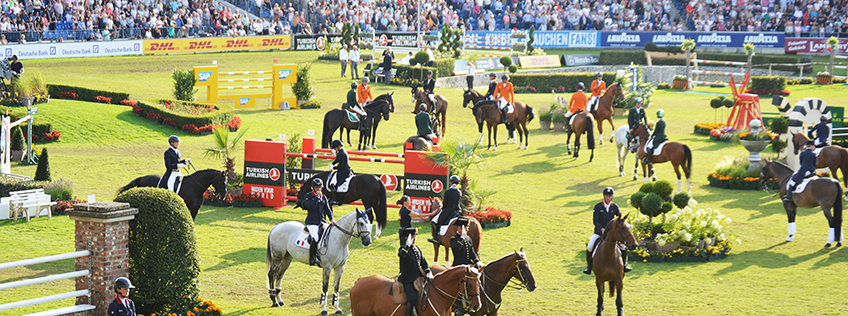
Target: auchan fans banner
{"points": [[219, 44]]}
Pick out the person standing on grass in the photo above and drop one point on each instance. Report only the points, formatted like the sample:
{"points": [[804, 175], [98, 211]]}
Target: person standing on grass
{"points": [[470, 69], [353, 56], [344, 57]]}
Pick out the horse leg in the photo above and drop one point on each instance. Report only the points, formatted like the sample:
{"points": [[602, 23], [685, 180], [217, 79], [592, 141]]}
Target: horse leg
{"points": [[677, 171], [600, 132], [444, 121], [576, 145], [447, 254], [275, 277], [337, 276], [612, 137], [436, 256], [652, 172], [791, 210], [373, 145], [568, 143], [325, 284], [600, 284], [520, 136], [619, 304]]}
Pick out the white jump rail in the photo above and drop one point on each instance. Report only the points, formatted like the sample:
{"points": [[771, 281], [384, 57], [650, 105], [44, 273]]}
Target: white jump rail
{"points": [[707, 72], [711, 83], [719, 62], [840, 57], [50, 278]]}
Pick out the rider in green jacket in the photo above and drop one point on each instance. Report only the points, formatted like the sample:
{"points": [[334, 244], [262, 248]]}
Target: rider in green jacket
{"points": [[351, 98], [658, 136]]}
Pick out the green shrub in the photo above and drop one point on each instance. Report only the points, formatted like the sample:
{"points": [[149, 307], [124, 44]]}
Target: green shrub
{"points": [[530, 39], [61, 190], [757, 60], [8, 184], [302, 89], [163, 259], [411, 72], [17, 141], [651, 47], [86, 94], [636, 199], [717, 102], [622, 57], [223, 115], [184, 81], [681, 199], [513, 68], [422, 57], [42, 171], [666, 207], [729, 102], [778, 146], [663, 188], [647, 187], [768, 83], [506, 61], [780, 125], [444, 67], [651, 205], [545, 82], [558, 117]]}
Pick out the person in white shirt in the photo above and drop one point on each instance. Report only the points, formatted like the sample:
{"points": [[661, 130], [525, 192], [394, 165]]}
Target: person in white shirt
{"points": [[343, 57], [353, 56], [469, 77]]}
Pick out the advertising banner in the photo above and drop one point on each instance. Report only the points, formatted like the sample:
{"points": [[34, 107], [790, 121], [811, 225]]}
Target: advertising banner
{"points": [[581, 60], [565, 39], [398, 39], [423, 179], [539, 61], [69, 50], [488, 63], [314, 41], [212, 44], [488, 40], [813, 46], [702, 39], [264, 168]]}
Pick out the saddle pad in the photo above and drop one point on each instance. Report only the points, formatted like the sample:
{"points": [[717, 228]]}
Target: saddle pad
{"points": [[352, 116], [509, 108], [657, 151], [301, 240], [800, 187], [331, 180], [444, 228], [818, 151]]}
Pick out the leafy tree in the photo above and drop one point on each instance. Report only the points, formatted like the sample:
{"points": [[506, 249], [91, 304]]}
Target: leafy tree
{"points": [[225, 145], [506, 61], [184, 81]]}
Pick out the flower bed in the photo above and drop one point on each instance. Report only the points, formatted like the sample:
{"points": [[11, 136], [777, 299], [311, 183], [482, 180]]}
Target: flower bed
{"points": [[492, 217], [235, 124], [191, 117], [201, 308], [129, 102], [67, 95], [102, 99], [722, 134], [800, 81], [705, 128], [47, 137], [732, 173]]}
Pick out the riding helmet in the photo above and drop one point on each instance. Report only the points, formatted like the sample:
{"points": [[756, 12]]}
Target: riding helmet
{"points": [[599, 75], [123, 283], [454, 179], [492, 75], [580, 86], [638, 100], [173, 138], [365, 79], [505, 77], [429, 72], [422, 107], [609, 191], [824, 118], [317, 183], [353, 85], [336, 143], [660, 113]]}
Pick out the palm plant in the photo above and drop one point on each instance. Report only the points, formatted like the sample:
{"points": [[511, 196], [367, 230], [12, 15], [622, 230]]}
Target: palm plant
{"points": [[225, 146], [460, 157]]}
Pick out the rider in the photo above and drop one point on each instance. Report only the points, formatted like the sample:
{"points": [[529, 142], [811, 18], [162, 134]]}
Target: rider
{"points": [[822, 132], [604, 213], [808, 167], [422, 122], [493, 85], [450, 210], [317, 208], [342, 168], [576, 105], [406, 217], [412, 266], [505, 95], [658, 137], [122, 305], [636, 116], [351, 104], [463, 250], [173, 164], [363, 94], [429, 87], [598, 86]]}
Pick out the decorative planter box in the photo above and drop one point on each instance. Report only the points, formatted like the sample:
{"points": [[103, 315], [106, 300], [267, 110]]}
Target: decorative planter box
{"points": [[497, 225], [546, 125], [618, 112], [559, 126], [680, 84], [824, 79]]}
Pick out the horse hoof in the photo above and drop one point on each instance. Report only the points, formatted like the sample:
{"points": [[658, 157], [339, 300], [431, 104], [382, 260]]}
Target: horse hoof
{"points": [[839, 244], [339, 313], [324, 313], [601, 141], [275, 305]]}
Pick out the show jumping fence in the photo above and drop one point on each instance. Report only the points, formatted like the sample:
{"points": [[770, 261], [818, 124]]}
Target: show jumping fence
{"points": [[696, 71], [210, 77], [50, 278]]}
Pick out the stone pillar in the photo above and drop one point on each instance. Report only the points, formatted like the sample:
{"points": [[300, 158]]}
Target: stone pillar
{"points": [[103, 229]]}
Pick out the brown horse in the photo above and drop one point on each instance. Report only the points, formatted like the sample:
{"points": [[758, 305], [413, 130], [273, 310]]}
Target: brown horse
{"points": [[418, 143], [831, 157], [822, 192], [370, 294], [496, 276], [475, 232], [489, 112], [581, 123], [418, 97], [607, 262], [604, 110], [678, 153]]}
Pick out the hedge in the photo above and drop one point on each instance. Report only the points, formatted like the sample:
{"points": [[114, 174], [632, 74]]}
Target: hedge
{"points": [[444, 67], [85, 94], [545, 82], [757, 59], [12, 184], [410, 72], [163, 259], [223, 115], [622, 57], [38, 129], [767, 83]]}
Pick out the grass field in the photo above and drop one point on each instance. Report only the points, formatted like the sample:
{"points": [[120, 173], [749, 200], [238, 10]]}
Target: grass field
{"points": [[105, 146]]}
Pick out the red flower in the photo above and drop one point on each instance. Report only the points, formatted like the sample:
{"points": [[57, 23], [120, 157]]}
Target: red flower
{"points": [[491, 215], [67, 95], [169, 121], [190, 128], [154, 116], [235, 123], [102, 99], [129, 103]]}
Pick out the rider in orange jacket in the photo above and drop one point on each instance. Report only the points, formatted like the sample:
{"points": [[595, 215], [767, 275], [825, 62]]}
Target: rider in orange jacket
{"points": [[577, 105]]}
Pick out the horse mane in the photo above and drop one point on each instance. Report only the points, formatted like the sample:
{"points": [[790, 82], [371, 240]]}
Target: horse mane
{"points": [[384, 96], [609, 226], [780, 164], [502, 258]]}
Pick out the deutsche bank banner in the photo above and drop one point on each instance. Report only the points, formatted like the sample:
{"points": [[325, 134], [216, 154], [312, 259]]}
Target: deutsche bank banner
{"points": [[565, 39], [68, 50], [702, 39]]}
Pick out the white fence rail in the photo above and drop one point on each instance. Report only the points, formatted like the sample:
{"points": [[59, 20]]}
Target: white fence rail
{"points": [[49, 278]]}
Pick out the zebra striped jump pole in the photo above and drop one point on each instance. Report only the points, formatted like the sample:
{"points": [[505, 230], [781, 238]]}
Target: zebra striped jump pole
{"points": [[316, 156]]}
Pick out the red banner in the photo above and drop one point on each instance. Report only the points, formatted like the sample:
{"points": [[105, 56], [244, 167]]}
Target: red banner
{"points": [[264, 171], [423, 179], [813, 46]]}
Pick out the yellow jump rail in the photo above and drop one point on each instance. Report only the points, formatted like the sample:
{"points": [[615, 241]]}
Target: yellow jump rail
{"points": [[208, 76]]}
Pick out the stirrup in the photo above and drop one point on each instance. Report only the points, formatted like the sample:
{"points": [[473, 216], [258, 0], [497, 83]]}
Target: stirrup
{"points": [[627, 268], [588, 270], [433, 240]]}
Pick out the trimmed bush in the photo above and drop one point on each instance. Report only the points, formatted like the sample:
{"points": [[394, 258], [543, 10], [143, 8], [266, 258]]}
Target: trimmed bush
{"points": [[717, 102], [780, 125], [757, 60], [17, 141], [302, 89], [636, 199], [666, 207], [42, 171], [681, 199], [622, 57], [163, 259], [513, 69], [773, 84], [647, 187], [545, 82], [422, 57], [651, 205], [410, 72], [183, 84], [444, 67], [12, 184], [221, 117], [85, 94], [663, 188]]}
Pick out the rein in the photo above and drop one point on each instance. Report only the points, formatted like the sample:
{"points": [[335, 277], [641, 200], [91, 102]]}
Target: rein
{"points": [[464, 300], [510, 283]]}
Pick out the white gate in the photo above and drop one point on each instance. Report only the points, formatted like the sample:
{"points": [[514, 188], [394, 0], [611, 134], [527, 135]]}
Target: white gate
{"points": [[50, 278]]}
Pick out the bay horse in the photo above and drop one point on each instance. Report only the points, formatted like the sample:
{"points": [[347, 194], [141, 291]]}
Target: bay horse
{"points": [[496, 276], [622, 148], [831, 157], [604, 110], [581, 123], [677, 153], [333, 251], [489, 112], [365, 187], [475, 232], [370, 294], [192, 187], [472, 96], [418, 97], [378, 109], [608, 264], [822, 192], [418, 143]]}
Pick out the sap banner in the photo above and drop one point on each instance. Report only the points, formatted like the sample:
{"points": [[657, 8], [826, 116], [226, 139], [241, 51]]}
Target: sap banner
{"points": [[702, 39], [69, 50]]}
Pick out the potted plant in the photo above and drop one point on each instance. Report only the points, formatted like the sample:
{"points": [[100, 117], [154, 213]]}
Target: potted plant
{"points": [[559, 121], [680, 82], [24, 90], [18, 144], [545, 118], [824, 77]]}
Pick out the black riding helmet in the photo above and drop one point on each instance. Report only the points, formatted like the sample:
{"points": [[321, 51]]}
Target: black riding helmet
{"points": [[173, 138], [609, 191], [336, 143], [492, 75], [317, 183], [123, 283], [580, 86], [421, 107], [454, 179], [353, 85], [429, 72], [505, 77]]}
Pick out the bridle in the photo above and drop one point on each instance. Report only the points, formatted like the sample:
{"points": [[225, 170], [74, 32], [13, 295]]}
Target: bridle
{"points": [[510, 283], [359, 231], [620, 231], [464, 299]]}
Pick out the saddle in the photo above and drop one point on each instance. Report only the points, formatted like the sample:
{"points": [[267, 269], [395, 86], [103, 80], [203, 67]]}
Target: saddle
{"points": [[322, 229], [803, 185], [331, 182], [399, 295], [657, 150]]}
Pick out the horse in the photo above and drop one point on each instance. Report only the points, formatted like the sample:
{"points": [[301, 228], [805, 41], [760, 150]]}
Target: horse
{"points": [[832, 157], [488, 111], [419, 143], [604, 110], [822, 192], [475, 232], [581, 123], [418, 97], [677, 153], [378, 109], [365, 187], [333, 251], [192, 186], [607, 262], [496, 276], [472, 96], [621, 149], [370, 294]]}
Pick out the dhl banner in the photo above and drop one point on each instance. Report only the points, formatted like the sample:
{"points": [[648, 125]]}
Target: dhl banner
{"points": [[211, 44]]}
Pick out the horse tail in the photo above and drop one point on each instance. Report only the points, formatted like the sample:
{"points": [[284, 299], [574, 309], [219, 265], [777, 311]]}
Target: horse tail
{"points": [[530, 113], [326, 134], [268, 262], [687, 154], [132, 184], [380, 207], [590, 132], [837, 213], [613, 286]]}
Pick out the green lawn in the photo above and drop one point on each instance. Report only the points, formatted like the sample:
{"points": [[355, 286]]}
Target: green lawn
{"points": [[105, 146]]}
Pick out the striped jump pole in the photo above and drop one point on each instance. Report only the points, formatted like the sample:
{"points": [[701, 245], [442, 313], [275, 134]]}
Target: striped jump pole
{"points": [[707, 72], [362, 153], [317, 156], [710, 83], [719, 62]]}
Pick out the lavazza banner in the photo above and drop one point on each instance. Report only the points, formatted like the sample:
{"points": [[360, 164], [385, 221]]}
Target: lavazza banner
{"points": [[702, 39], [69, 50]]}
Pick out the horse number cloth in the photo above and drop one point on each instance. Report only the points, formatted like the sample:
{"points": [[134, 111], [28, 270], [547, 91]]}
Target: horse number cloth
{"points": [[351, 116]]}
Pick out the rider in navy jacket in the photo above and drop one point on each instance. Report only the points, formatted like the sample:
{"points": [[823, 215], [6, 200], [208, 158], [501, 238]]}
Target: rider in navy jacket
{"points": [[342, 167], [317, 208], [173, 162], [821, 131], [450, 209], [492, 86], [808, 167]]}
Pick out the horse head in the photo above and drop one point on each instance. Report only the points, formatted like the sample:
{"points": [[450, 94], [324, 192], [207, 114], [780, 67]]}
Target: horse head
{"points": [[391, 99], [523, 272], [766, 172], [363, 227], [621, 232], [472, 288], [636, 137], [415, 93], [435, 204], [467, 96], [617, 91], [798, 140], [220, 185]]}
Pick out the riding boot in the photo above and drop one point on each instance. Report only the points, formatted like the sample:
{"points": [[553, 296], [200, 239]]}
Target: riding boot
{"points": [[627, 267], [434, 230], [333, 200], [313, 253], [647, 158], [788, 196], [410, 309], [503, 115], [566, 125], [588, 269]]}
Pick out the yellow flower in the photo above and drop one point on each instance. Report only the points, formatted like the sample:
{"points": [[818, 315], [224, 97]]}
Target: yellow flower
{"points": [[645, 260]]}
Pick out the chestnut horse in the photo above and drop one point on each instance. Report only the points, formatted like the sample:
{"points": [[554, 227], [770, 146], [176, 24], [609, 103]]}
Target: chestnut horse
{"points": [[581, 123], [607, 262], [831, 157], [604, 110], [678, 153], [496, 276], [418, 97], [822, 192], [489, 112], [475, 232], [370, 294]]}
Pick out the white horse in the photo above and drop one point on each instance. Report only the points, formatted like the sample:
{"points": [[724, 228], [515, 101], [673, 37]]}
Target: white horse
{"points": [[622, 147], [333, 253]]}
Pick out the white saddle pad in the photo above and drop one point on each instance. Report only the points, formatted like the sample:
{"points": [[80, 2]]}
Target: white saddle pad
{"points": [[800, 188], [443, 229], [817, 151], [303, 236], [510, 108], [331, 180], [657, 151]]}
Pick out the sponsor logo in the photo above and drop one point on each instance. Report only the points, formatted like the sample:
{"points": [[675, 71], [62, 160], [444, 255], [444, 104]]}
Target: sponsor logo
{"points": [[283, 73], [565, 39], [383, 40], [623, 38], [244, 101], [204, 75], [390, 181], [161, 47], [95, 49], [200, 45], [668, 38], [136, 47], [713, 38], [239, 43], [319, 42], [274, 174], [52, 50], [8, 52], [437, 186], [761, 39], [274, 42]]}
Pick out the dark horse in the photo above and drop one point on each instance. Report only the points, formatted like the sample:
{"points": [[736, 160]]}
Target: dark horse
{"points": [[489, 112], [677, 153], [475, 232], [378, 109], [822, 192], [581, 123], [604, 110], [496, 276], [366, 187], [607, 262], [832, 157], [472, 96], [418, 97], [193, 186]]}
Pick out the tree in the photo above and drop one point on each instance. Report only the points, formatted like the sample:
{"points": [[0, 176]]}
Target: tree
{"points": [[530, 40], [225, 145], [506, 61], [184, 81], [42, 172]]}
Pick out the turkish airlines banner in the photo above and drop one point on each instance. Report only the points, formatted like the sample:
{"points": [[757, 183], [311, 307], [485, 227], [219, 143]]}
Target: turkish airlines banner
{"points": [[314, 41], [423, 179], [813, 46], [264, 168]]}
